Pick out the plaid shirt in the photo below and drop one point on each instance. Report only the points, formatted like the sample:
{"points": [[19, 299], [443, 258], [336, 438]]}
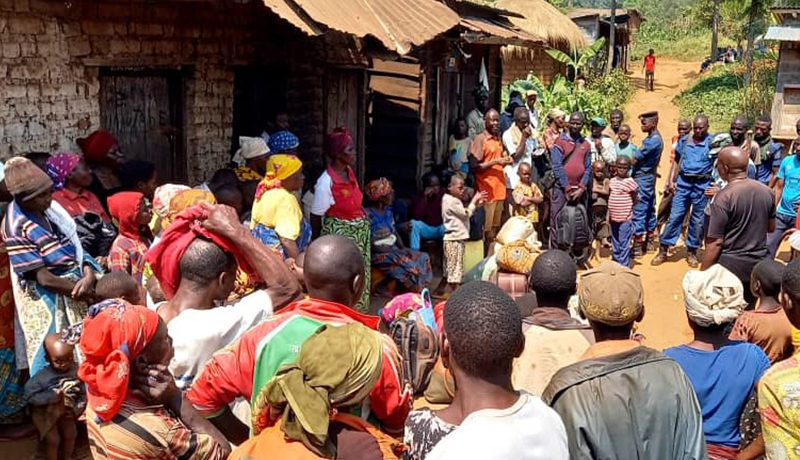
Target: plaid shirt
{"points": [[127, 255], [140, 432]]}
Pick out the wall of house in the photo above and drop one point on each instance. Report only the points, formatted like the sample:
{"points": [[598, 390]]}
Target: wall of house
{"points": [[51, 54], [786, 105], [542, 65]]}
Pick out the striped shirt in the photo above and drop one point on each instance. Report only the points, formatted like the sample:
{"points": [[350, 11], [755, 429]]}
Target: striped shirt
{"points": [[32, 245], [141, 432], [620, 202]]}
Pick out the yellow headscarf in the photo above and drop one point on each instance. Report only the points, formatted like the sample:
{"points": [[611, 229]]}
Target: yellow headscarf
{"points": [[279, 167], [184, 200]]}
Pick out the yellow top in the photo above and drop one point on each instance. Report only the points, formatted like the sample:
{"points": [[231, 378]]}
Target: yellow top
{"points": [[278, 209]]}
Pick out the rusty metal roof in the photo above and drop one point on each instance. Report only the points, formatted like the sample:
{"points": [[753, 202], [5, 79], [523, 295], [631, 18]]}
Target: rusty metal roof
{"points": [[484, 30], [397, 24], [783, 33]]}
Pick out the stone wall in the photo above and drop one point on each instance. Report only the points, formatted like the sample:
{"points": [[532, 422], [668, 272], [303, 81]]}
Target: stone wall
{"points": [[516, 67], [51, 53]]}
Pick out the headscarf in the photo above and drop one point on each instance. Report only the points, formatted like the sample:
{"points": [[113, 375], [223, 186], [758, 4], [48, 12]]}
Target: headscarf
{"points": [[185, 200], [555, 112], [165, 256], [378, 188], [279, 168], [713, 296], [245, 174], [114, 334], [336, 367], [124, 208], [337, 141], [249, 148], [25, 180], [60, 166], [96, 146], [283, 141], [163, 196]]}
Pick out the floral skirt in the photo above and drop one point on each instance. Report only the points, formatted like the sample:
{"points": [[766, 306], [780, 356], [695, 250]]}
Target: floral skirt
{"points": [[269, 237], [405, 270], [357, 230], [12, 389]]}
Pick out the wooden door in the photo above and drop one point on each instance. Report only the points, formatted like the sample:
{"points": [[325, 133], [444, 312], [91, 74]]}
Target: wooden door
{"points": [[142, 108], [344, 106]]}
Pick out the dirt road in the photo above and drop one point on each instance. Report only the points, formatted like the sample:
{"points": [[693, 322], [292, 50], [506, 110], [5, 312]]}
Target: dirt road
{"points": [[665, 322]]}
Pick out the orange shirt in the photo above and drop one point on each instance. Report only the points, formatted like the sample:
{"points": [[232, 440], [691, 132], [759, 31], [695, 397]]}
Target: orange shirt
{"points": [[78, 203], [486, 147]]}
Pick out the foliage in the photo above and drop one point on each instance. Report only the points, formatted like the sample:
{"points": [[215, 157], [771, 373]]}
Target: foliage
{"points": [[596, 98], [721, 94], [683, 42], [578, 61]]}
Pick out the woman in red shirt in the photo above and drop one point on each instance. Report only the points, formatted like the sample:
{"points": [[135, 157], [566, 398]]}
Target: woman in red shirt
{"points": [[71, 177], [337, 208]]}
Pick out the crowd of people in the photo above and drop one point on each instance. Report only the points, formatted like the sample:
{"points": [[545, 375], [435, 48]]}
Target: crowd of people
{"points": [[237, 319]]}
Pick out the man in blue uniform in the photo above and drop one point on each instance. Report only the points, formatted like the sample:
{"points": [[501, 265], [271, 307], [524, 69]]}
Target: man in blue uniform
{"points": [[689, 177], [644, 173], [770, 153]]}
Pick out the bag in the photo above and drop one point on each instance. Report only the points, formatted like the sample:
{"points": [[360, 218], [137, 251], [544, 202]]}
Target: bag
{"points": [[573, 232], [515, 229], [419, 348], [404, 304], [513, 284], [517, 257], [442, 387]]}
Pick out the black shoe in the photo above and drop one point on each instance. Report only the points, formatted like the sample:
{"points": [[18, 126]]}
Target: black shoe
{"points": [[692, 260], [660, 258]]}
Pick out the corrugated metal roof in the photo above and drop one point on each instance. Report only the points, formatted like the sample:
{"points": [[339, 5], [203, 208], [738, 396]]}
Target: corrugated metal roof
{"points": [[397, 24], [783, 34], [495, 33]]}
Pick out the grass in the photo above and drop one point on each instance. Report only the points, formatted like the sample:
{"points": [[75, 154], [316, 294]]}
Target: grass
{"points": [[690, 47], [721, 93]]}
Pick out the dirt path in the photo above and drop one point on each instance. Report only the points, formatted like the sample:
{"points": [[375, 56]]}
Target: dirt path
{"points": [[665, 322]]}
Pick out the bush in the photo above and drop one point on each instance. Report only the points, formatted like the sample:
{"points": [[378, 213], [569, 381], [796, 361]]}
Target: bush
{"points": [[721, 94], [677, 40], [597, 98]]}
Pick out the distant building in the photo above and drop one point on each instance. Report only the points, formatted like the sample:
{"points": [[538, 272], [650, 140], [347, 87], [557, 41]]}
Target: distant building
{"points": [[596, 23], [786, 105]]}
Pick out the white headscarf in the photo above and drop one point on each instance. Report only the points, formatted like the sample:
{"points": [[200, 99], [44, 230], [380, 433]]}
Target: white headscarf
{"points": [[250, 147], [713, 296]]}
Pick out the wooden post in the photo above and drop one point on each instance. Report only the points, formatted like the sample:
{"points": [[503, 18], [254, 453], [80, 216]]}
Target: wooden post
{"points": [[612, 39], [715, 31]]}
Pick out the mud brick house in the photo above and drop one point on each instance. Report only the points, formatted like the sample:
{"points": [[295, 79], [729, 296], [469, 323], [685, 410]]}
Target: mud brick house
{"points": [[178, 81], [786, 104]]}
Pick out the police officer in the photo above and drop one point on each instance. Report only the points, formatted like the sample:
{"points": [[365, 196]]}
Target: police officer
{"points": [[644, 173], [692, 168]]}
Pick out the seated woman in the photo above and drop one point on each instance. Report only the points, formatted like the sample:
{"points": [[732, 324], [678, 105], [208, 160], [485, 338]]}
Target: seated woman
{"points": [[127, 351], [723, 372], [71, 179], [302, 413], [277, 219], [402, 269], [104, 157], [132, 212], [52, 276]]}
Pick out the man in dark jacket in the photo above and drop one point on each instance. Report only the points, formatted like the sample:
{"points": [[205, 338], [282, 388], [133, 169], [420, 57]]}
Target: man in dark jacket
{"points": [[624, 400]]}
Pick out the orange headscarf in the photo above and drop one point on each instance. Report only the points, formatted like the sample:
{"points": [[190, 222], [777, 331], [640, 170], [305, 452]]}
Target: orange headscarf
{"points": [[114, 333]]}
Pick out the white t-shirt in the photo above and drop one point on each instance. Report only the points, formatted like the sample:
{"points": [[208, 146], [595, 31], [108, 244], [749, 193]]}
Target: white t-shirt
{"points": [[512, 179], [528, 430], [198, 334], [607, 154], [323, 195]]}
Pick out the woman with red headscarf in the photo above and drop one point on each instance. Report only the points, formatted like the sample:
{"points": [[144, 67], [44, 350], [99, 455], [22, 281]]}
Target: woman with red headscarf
{"points": [[337, 208], [127, 350], [133, 214], [101, 151]]}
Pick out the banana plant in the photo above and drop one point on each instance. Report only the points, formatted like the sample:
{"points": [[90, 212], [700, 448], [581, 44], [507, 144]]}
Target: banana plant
{"points": [[578, 61]]}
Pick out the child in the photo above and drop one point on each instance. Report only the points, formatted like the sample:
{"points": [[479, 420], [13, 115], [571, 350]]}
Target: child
{"points": [[133, 213], [526, 195], [119, 285], [624, 146], [624, 193], [456, 232], [600, 192], [767, 326], [57, 398], [458, 146]]}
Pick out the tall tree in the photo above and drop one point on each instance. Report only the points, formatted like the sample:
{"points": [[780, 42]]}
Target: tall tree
{"points": [[755, 14], [715, 31]]}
